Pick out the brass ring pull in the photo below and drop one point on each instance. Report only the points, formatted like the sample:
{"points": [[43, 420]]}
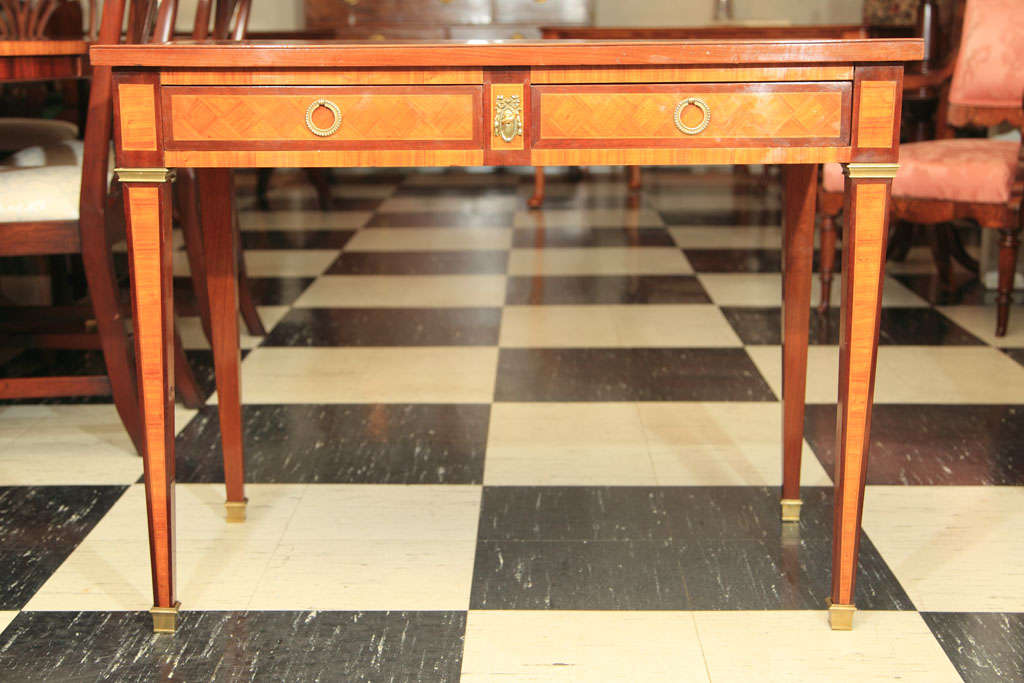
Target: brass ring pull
{"points": [[331, 107], [700, 104]]}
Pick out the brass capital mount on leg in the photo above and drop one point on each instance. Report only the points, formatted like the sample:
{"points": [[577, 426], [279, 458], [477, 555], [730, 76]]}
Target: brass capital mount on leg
{"points": [[165, 619], [870, 170], [144, 175], [791, 509]]}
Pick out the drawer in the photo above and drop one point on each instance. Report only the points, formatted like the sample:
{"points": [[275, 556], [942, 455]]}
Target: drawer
{"points": [[692, 115], [356, 117]]}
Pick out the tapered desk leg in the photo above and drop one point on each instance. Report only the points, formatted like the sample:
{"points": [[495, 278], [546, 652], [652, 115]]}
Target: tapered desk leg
{"points": [[797, 262], [867, 212], [147, 200], [216, 197]]}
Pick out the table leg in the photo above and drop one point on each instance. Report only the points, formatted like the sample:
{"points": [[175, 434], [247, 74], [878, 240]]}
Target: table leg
{"points": [[801, 184], [147, 200], [537, 200], [216, 197], [867, 216]]}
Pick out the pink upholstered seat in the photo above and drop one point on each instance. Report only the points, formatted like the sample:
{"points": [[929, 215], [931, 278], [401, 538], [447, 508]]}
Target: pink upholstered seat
{"points": [[960, 170]]}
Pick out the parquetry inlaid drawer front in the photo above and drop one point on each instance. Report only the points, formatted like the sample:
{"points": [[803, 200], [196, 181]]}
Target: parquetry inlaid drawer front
{"points": [[700, 115], [448, 117]]}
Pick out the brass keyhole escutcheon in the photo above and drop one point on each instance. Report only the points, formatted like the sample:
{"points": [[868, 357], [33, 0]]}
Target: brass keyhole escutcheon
{"points": [[704, 122], [508, 117], [329, 106]]}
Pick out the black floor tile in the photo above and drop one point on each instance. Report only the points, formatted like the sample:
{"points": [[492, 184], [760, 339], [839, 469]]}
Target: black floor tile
{"points": [[420, 263], [39, 527], [201, 362], [985, 646], [372, 444], [235, 646], [296, 239], [266, 291], [387, 327], [932, 444], [605, 289], [629, 375], [906, 326], [734, 260], [1016, 354], [723, 217], [591, 237], [656, 548], [442, 219]]}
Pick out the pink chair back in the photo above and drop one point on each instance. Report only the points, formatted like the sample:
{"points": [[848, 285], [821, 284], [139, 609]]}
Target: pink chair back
{"points": [[989, 68]]}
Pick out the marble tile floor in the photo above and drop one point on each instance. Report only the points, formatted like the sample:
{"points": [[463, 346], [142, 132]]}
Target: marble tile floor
{"points": [[487, 443]]}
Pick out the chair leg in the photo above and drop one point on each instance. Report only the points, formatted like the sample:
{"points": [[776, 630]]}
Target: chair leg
{"points": [[186, 386], [186, 196], [321, 180], [1008, 248], [828, 260], [262, 185], [941, 254], [537, 199], [246, 300], [959, 253], [900, 241], [98, 262], [635, 179]]}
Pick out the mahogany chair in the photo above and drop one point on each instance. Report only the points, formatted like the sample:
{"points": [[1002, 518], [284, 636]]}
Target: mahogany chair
{"points": [[950, 179], [62, 208], [230, 21]]}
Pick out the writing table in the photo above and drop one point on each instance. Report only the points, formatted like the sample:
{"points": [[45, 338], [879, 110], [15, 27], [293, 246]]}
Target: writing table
{"points": [[215, 106]]}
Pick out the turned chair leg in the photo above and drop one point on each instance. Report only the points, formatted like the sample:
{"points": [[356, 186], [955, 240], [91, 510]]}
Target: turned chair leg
{"points": [[1008, 248], [828, 260], [635, 179]]}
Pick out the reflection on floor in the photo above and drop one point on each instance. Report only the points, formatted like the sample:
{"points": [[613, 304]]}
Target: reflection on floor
{"points": [[493, 443]]}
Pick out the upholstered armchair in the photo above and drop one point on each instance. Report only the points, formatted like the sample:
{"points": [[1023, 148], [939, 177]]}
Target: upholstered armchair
{"points": [[967, 178]]}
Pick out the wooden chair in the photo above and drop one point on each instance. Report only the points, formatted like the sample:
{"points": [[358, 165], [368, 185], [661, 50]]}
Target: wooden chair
{"points": [[41, 216], [949, 179], [230, 21]]}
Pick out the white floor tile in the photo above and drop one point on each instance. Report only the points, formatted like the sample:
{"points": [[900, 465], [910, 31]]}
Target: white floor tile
{"points": [[591, 218], [799, 646], [910, 374], [370, 375], [952, 548], [599, 261], [404, 291], [54, 445], [465, 204], [656, 325], [765, 289], [430, 239], [981, 322], [5, 619], [192, 336], [303, 220], [582, 646], [302, 547]]}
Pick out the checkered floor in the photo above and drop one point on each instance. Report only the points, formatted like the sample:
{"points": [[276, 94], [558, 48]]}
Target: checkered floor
{"points": [[497, 444]]}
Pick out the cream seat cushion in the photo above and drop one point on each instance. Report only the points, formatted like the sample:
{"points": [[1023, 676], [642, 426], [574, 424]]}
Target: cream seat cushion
{"points": [[959, 170], [19, 133], [42, 183]]}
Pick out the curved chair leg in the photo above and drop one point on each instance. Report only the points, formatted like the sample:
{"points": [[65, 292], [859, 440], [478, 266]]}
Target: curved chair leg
{"points": [[1008, 248], [98, 262], [186, 197], [828, 260], [959, 253], [246, 300], [321, 180], [537, 199], [186, 386]]}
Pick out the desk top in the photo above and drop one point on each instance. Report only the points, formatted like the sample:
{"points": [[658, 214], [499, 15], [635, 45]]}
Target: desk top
{"points": [[477, 53]]}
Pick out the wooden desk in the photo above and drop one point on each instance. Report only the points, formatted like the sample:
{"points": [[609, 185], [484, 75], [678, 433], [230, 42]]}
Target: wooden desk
{"points": [[801, 104]]}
